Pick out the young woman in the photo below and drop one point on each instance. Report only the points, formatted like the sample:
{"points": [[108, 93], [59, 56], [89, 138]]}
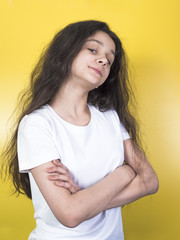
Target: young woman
{"points": [[73, 136]]}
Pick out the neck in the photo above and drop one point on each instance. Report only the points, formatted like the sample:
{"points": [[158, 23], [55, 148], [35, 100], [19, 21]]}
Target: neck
{"points": [[71, 100]]}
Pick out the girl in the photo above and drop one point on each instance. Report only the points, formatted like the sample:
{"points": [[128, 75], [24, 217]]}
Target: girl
{"points": [[73, 136]]}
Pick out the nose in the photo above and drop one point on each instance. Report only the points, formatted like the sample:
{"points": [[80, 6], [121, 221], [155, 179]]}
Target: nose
{"points": [[102, 61]]}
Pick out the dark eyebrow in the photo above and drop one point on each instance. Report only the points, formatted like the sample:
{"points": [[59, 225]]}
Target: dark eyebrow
{"points": [[100, 43]]}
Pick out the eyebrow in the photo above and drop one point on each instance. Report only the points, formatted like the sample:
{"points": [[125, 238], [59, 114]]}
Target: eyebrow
{"points": [[100, 43]]}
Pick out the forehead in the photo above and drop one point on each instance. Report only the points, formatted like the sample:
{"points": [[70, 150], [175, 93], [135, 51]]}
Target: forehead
{"points": [[102, 39]]}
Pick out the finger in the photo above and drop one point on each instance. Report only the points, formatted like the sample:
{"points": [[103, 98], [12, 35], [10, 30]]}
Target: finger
{"points": [[72, 188], [60, 178], [55, 169], [59, 184], [63, 184], [59, 164]]}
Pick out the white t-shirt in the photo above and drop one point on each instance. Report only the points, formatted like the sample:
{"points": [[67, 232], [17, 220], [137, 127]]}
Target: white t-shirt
{"points": [[89, 152]]}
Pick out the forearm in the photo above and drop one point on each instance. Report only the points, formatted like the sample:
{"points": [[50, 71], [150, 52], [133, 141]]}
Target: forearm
{"points": [[146, 181], [135, 190], [130, 193], [73, 208], [90, 202]]}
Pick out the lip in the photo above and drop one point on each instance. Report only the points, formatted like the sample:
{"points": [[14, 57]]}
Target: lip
{"points": [[97, 71]]}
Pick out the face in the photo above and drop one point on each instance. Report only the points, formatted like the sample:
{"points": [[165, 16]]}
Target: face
{"points": [[92, 65]]}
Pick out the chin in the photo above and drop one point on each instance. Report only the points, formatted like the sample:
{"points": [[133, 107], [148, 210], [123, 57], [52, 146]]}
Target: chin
{"points": [[95, 85], [95, 82]]}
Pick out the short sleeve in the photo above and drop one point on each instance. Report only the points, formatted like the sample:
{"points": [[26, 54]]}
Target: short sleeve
{"points": [[35, 143], [124, 132]]}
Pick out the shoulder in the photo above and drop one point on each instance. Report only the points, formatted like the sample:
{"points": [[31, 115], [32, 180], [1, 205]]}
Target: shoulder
{"points": [[112, 118], [39, 117], [36, 122], [35, 140], [110, 114]]}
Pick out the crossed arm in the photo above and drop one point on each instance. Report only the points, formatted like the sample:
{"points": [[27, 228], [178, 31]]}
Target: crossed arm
{"points": [[145, 182], [72, 206]]}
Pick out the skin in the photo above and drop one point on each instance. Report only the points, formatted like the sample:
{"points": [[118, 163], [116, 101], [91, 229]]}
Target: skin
{"points": [[127, 183], [144, 183], [71, 101]]}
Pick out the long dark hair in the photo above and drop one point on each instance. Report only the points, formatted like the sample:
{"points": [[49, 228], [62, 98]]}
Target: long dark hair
{"points": [[52, 71]]}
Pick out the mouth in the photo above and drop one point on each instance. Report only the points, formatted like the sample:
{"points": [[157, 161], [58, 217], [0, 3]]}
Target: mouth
{"points": [[97, 71]]}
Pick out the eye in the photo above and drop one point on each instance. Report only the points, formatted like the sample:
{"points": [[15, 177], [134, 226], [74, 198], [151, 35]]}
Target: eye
{"points": [[109, 62], [92, 50]]}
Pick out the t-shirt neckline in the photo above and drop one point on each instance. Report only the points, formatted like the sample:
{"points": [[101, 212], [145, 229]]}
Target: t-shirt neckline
{"points": [[70, 125]]}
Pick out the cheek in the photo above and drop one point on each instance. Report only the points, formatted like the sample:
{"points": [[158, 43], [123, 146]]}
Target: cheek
{"points": [[105, 77], [75, 66], [79, 62], [107, 73]]}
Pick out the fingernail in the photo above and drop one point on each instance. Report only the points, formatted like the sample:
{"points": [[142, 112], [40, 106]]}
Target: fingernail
{"points": [[57, 160]]}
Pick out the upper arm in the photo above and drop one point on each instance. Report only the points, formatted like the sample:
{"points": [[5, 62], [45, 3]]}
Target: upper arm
{"points": [[57, 198], [35, 142], [134, 156], [138, 161]]}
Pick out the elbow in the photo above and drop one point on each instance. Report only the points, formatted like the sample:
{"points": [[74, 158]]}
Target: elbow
{"points": [[70, 218], [70, 223], [155, 184], [152, 183]]}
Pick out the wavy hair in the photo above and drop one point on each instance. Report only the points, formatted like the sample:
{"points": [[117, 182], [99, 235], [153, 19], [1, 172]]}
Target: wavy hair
{"points": [[51, 72]]}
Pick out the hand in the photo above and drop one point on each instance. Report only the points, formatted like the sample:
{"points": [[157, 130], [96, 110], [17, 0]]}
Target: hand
{"points": [[62, 177]]}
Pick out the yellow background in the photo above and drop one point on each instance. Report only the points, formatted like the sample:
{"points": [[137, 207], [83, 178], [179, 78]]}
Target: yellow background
{"points": [[149, 31]]}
